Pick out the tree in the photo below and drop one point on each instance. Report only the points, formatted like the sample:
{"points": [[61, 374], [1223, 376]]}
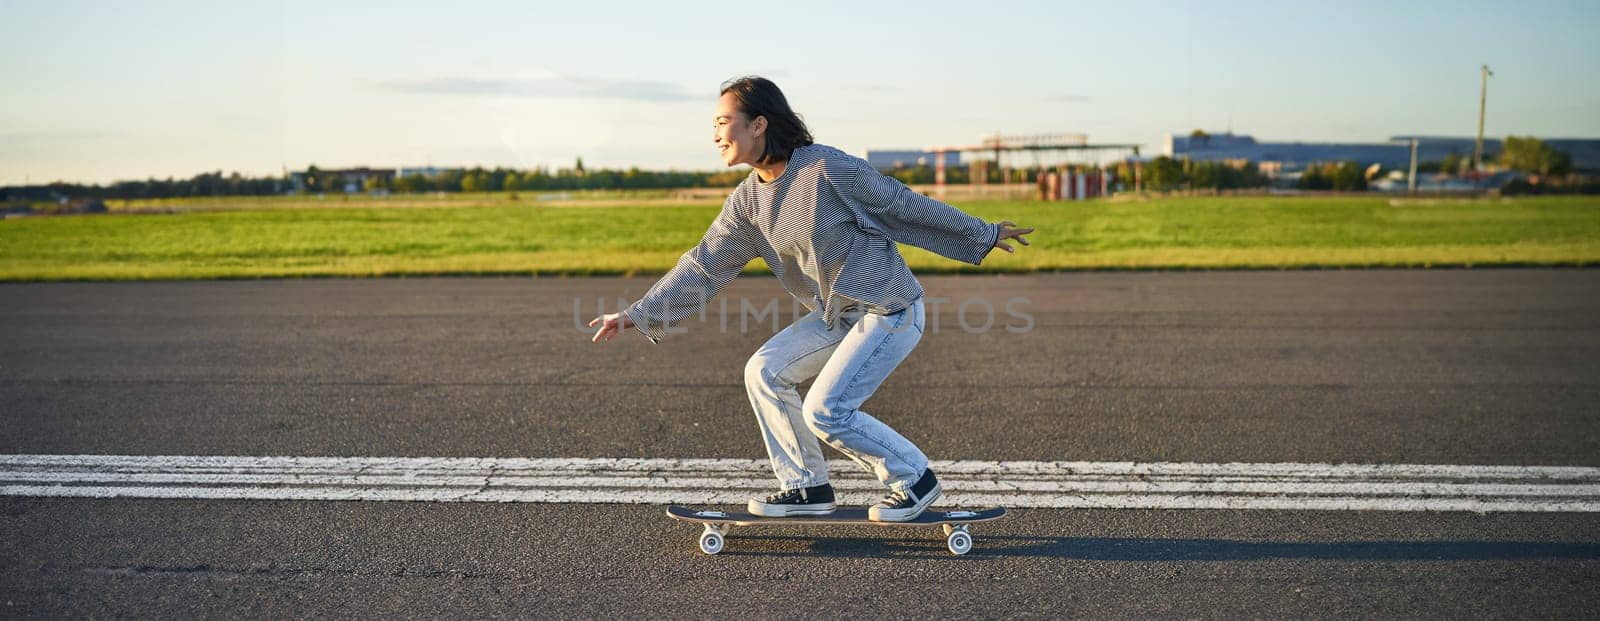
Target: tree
{"points": [[1163, 173], [1532, 155], [1453, 163], [1123, 174], [410, 183], [447, 181], [1249, 176], [314, 179], [1348, 176], [497, 179], [475, 180], [1204, 175], [920, 174], [1315, 177]]}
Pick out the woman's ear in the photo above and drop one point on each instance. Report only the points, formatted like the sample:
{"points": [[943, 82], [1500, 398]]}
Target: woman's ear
{"points": [[759, 125]]}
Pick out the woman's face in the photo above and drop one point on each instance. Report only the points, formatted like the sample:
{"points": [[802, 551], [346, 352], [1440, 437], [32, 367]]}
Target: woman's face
{"points": [[739, 139]]}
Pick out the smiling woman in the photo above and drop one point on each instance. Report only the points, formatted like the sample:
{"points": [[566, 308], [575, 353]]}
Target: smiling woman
{"points": [[826, 223], [747, 110]]}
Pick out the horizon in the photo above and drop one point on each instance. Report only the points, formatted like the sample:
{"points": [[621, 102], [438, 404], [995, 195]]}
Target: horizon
{"points": [[113, 93], [556, 169]]}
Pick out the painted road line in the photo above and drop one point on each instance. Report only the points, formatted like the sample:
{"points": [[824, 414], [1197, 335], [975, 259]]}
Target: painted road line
{"points": [[1044, 484]]}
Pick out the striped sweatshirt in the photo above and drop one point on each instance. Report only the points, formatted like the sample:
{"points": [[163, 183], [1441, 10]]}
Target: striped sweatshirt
{"points": [[827, 228]]}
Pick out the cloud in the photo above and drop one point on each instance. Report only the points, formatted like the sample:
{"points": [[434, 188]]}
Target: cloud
{"points": [[872, 89], [584, 88], [64, 135], [1069, 98]]}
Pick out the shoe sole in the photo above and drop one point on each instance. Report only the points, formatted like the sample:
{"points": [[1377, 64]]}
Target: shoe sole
{"points": [[922, 505], [766, 510]]}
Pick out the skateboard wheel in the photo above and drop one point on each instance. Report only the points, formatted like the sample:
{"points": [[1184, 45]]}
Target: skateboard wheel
{"points": [[710, 542], [959, 542]]}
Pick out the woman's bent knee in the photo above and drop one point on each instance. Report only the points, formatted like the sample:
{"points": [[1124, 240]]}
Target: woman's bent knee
{"points": [[824, 417], [758, 372]]}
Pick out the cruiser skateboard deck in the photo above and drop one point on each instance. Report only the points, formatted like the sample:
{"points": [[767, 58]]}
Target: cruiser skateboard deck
{"points": [[717, 523]]}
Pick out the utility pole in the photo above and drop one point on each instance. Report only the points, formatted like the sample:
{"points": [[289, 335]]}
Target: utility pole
{"points": [[1483, 98], [1411, 179], [1138, 173]]}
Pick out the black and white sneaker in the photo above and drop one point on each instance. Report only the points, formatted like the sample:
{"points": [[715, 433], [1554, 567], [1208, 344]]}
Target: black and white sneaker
{"points": [[907, 505], [791, 502]]}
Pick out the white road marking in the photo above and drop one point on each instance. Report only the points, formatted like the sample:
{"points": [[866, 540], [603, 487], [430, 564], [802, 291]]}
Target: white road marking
{"points": [[1048, 484]]}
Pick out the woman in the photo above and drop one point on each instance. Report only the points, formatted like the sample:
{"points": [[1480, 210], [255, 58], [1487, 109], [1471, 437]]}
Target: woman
{"points": [[826, 223]]}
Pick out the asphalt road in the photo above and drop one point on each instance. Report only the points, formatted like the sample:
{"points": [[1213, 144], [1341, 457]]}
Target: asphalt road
{"points": [[1436, 367]]}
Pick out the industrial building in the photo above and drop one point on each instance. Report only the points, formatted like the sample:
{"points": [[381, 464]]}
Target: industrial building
{"points": [[1394, 154], [889, 160]]}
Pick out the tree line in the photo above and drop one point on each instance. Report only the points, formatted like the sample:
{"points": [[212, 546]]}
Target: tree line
{"points": [[1160, 174], [319, 180], [542, 179], [203, 184]]}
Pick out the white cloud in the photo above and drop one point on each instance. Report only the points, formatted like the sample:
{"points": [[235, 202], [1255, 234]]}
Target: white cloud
{"points": [[590, 88]]}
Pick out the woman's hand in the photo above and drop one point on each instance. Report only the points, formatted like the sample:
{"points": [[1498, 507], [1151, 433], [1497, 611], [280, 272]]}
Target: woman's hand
{"points": [[610, 325], [1007, 231]]}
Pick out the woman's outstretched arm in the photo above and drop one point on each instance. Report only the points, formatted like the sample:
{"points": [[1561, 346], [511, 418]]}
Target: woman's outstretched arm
{"points": [[908, 217], [701, 273]]}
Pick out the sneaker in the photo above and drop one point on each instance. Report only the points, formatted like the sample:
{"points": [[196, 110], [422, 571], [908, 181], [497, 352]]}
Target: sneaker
{"points": [[907, 505], [790, 502]]}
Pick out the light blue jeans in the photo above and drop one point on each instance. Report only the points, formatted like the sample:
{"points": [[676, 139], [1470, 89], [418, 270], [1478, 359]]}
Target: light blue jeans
{"points": [[849, 362]]}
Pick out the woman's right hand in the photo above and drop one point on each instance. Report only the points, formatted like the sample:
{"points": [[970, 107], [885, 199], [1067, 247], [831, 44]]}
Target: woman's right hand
{"points": [[610, 326], [1008, 230]]}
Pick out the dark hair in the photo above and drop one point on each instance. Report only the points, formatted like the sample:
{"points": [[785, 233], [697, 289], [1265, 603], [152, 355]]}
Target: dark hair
{"points": [[786, 131]]}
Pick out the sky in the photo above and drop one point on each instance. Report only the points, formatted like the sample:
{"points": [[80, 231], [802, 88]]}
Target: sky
{"points": [[98, 91]]}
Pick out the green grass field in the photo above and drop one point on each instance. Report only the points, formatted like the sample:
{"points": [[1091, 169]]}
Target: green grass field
{"points": [[546, 198], [304, 238]]}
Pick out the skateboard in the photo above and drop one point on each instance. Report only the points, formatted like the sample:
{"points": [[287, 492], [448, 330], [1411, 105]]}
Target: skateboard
{"points": [[717, 523]]}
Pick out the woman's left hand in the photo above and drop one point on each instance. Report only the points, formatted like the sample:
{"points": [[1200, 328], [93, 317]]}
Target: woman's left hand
{"points": [[1008, 231]]}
